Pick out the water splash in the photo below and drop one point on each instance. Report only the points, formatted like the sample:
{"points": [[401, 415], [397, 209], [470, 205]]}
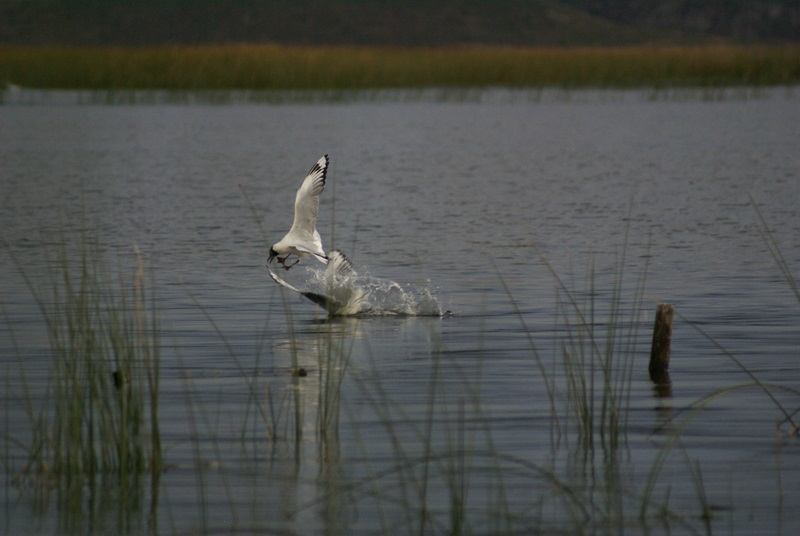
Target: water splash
{"points": [[341, 291]]}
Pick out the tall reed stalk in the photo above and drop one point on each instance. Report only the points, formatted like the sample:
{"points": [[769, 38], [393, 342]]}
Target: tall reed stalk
{"points": [[598, 355], [97, 428]]}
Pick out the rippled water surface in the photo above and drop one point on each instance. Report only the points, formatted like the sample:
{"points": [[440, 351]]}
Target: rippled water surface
{"points": [[549, 227]]}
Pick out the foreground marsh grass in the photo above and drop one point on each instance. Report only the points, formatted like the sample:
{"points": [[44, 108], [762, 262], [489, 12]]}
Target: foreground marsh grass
{"points": [[94, 431], [439, 470], [273, 67]]}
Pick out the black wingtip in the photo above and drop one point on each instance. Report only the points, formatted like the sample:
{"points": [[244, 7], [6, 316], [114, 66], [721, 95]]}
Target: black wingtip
{"points": [[317, 168]]}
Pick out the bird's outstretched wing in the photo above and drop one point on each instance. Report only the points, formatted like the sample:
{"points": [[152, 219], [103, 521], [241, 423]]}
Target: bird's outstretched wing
{"points": [[338, 263], [319, 299], [281, 282], [306, 203]]}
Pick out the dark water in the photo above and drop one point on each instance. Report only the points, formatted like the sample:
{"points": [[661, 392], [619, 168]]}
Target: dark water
{"points": [[532, 220]]}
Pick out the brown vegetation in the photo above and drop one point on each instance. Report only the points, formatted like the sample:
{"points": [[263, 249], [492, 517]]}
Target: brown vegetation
{"points": [[273, 67]]}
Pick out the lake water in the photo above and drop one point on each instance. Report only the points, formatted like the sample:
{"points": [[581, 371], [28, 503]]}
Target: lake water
{"points": [[549, 224]]}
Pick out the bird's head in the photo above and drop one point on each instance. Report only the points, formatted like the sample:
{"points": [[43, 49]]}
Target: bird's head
{"points": [[272, 255]]}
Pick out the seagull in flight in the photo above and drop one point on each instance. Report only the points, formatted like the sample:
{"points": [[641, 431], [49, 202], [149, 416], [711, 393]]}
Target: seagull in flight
{"points": [[303, 239]]}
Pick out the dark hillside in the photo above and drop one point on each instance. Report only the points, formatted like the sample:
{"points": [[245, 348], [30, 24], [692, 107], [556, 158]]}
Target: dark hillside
{"points": [[746, 21], [410, 22]]}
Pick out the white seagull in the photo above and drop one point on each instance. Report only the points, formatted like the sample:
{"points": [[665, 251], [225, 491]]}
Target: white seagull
{"points": [[303, 239]]}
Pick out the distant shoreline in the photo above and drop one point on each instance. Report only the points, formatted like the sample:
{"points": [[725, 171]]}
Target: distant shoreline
{"points": [[277, 67], [497, 95]]}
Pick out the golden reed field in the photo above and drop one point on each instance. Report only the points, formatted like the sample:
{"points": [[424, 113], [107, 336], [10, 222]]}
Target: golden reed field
{"points": [[275, 67]]}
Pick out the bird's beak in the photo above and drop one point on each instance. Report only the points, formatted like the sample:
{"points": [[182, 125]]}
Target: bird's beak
{"points": [[272, 255]]}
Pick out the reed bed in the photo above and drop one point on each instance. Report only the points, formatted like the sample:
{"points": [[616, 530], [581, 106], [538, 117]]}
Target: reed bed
{"points": [[94, 432], [274, 67], [441, 469]]}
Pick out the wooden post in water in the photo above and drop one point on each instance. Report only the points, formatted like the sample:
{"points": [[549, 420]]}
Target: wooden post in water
{"points": [[660, 349]]}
